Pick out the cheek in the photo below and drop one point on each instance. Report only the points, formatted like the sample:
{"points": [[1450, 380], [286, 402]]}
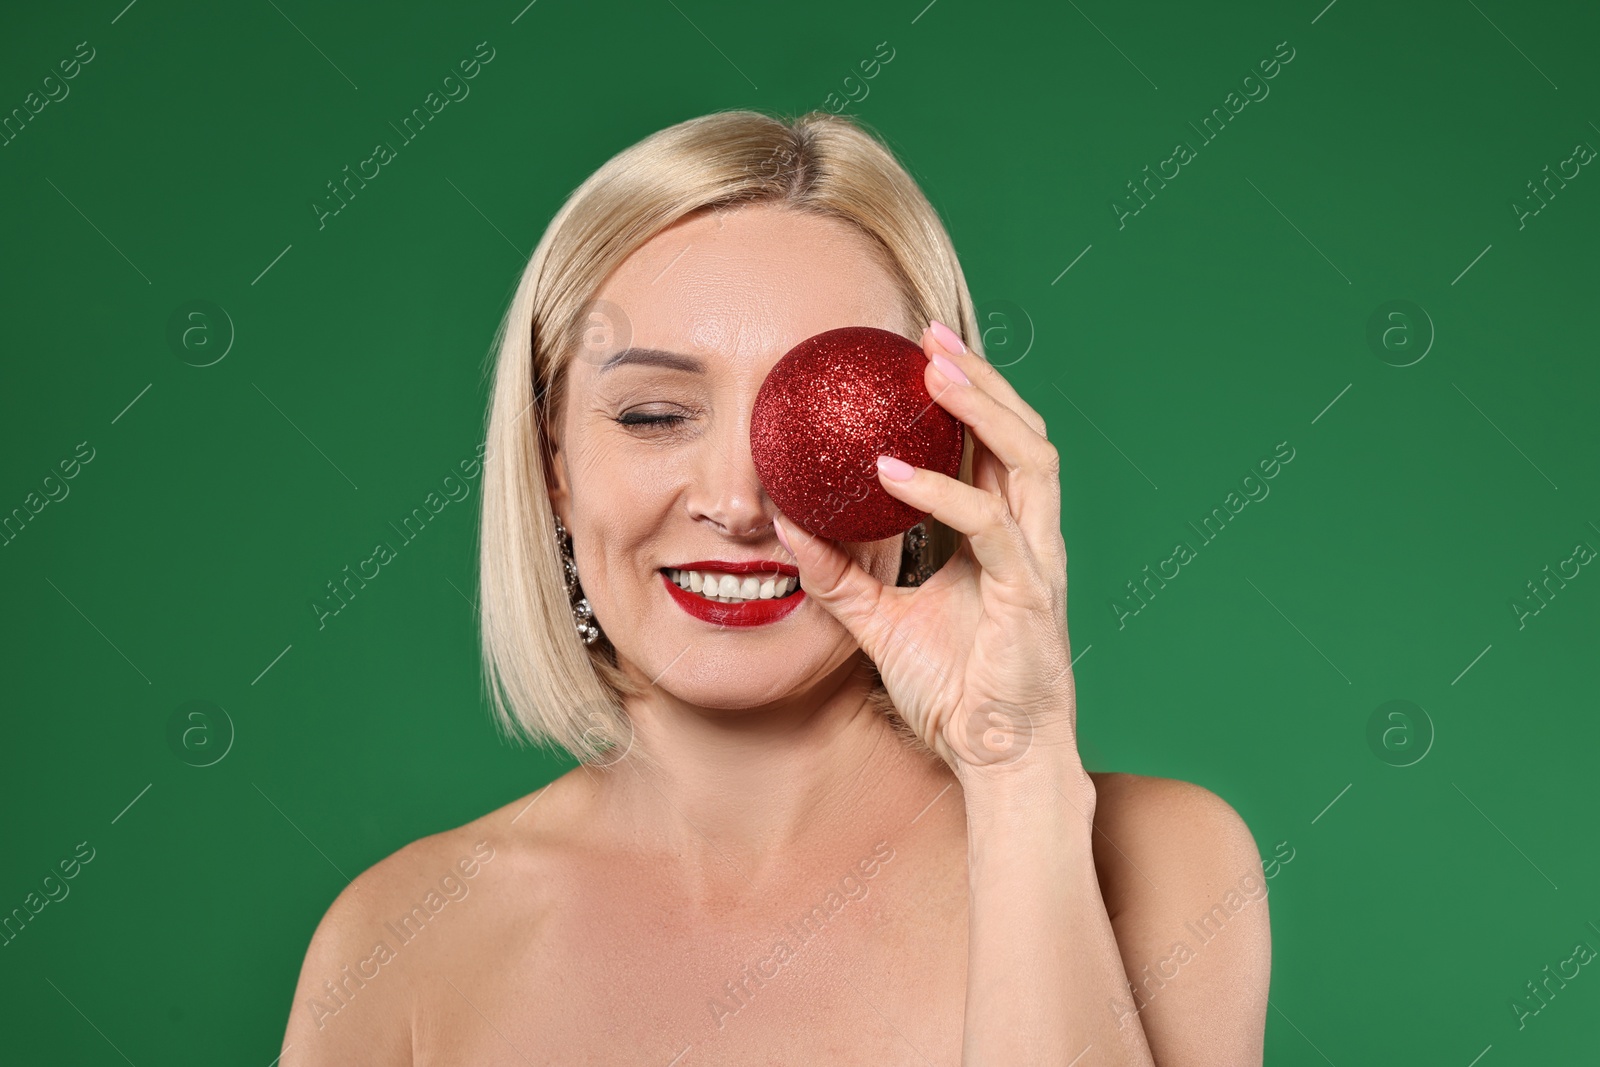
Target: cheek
{"points": [[622, 498], [620, 480]]}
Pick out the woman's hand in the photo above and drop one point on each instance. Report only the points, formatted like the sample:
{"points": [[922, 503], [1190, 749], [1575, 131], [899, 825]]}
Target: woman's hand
{"points": [[977, 658]]}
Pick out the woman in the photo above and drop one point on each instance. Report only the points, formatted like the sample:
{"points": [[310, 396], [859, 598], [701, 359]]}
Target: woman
{"points": [[846, 825]]}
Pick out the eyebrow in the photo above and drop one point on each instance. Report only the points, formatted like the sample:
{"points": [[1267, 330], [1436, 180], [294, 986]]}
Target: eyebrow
{"points": [[654, 357]]}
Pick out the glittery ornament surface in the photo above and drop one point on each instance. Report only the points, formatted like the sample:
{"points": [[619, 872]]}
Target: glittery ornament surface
{"points": [[827, 410]]}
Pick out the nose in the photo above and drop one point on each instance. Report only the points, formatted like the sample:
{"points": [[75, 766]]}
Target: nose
{"points": [[726, 493]]}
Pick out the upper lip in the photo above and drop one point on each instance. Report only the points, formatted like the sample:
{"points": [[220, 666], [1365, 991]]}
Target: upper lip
{"points": [[753, 566]]}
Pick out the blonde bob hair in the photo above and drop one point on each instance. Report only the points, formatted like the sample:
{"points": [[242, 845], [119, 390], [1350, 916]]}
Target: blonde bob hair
{"points": [[546, 686]]}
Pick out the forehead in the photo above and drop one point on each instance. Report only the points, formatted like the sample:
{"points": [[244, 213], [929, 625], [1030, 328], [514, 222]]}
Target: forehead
{"points": [[752, 282]]}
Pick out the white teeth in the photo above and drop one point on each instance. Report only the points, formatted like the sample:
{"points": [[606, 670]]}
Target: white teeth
{"points": [[732, 588]]}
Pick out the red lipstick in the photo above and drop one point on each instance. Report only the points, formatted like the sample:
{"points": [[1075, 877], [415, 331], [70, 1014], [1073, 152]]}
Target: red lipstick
{"points": [[759, 566], [750, 612]]}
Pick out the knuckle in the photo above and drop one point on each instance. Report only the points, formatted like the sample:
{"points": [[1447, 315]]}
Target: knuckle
{"points": [[997, 513], [1050, 460], [985, 372]]}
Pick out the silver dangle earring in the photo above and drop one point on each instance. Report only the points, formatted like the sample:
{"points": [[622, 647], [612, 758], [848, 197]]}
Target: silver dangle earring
{"points": [[582, 613], [914, 567]]}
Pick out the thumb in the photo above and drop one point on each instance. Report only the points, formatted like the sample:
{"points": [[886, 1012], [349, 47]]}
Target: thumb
{"points": [[836, 581]]}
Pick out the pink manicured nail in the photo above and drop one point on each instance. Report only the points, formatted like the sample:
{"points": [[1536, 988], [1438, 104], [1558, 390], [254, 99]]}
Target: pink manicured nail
{"points": [[946, 337], [950, 370], [782, 540], [899, 470]]}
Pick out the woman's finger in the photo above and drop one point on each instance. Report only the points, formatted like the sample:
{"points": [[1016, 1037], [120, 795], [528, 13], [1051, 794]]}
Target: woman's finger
{"points": [[1031, 483], [840, 585], [945, 340], [992, 533]]}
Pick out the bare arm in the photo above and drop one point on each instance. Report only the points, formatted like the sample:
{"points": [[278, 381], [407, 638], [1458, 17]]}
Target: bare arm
{"points": [[1042, 959], [1189, 906], [1050, 961], [347, 1007]]}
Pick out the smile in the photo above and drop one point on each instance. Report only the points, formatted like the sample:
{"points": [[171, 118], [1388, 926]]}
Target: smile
{"points": [[734, 594]]}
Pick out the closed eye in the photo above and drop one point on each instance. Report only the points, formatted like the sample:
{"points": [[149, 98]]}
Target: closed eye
{"points": [[636, 418]]}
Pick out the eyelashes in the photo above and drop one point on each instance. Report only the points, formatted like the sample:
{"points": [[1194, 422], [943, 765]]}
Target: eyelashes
{"points": [[646, 422]]}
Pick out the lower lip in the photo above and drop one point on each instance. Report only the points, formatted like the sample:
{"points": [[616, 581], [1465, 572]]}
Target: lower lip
{"points": [[748, 613]]}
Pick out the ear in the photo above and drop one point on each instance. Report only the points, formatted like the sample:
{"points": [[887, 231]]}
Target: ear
{"points": [[560, 490], [556, 482]]}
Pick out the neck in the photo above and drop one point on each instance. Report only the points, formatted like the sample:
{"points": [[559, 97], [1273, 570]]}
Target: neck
{"points": [[741, 797]]}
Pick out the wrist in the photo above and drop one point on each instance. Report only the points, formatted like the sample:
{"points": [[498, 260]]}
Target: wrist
{"points": [[1045, 778]]}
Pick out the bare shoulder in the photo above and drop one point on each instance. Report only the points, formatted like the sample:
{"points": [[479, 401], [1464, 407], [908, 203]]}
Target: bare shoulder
{"points": [[1182, 882], [388, 930], [1145, 824], [1167, 815]]}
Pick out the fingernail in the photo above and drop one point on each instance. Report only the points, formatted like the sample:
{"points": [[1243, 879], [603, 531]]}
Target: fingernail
{"points": [[782, 540], [950, 370], [947, 338], [899, 470]]}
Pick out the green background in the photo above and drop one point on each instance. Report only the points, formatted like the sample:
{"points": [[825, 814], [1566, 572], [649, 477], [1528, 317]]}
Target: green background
{"points": [[1177, 351]]}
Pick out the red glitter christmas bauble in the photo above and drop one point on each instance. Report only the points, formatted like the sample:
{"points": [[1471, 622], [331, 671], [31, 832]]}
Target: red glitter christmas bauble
{"points": [[827, 410]]}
